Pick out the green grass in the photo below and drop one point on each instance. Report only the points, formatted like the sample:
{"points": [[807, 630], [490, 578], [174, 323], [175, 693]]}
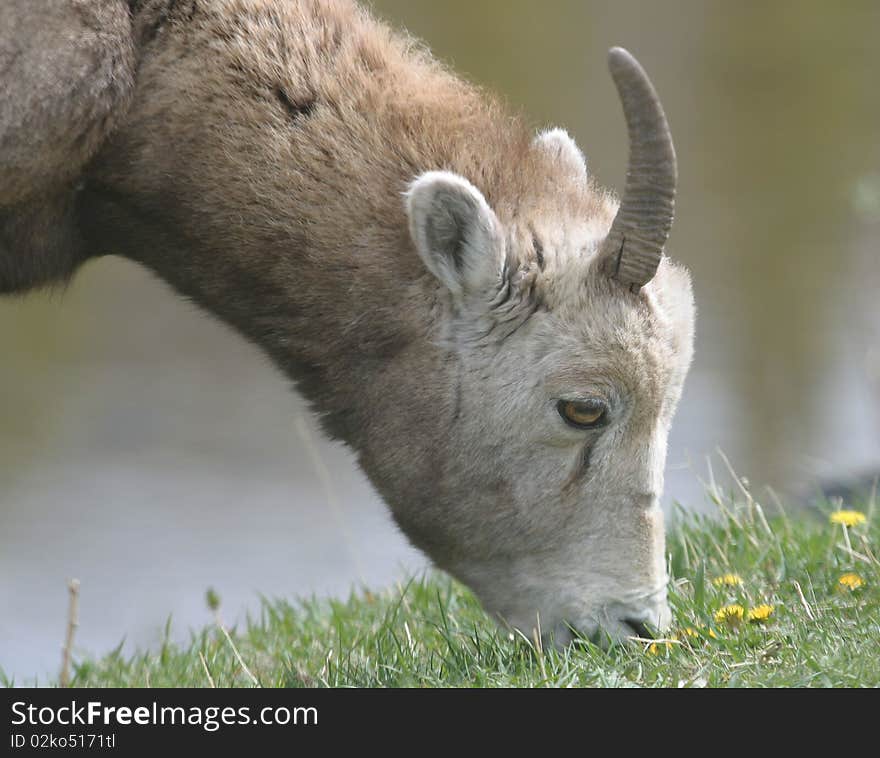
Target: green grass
{"points": [[433, 633]]}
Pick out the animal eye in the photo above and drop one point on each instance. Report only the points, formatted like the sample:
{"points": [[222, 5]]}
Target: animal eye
{"points": [[583, 414]]}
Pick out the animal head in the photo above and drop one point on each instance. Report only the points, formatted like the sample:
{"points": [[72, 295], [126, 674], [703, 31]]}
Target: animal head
{"points": [[504, 349], [569, 336]]}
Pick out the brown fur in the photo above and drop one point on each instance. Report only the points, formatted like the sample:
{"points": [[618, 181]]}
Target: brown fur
{"points": [[260, 168], [66, 73], [288, 224]]}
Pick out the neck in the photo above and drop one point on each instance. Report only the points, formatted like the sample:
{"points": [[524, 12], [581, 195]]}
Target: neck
{"points": [[327, 328], [270, 194]]}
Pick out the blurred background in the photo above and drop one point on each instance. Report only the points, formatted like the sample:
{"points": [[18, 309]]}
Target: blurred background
{"points": [[150, 452]]}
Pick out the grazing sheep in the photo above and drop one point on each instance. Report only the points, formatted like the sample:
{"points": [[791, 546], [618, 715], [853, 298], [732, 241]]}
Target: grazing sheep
{"points": [[499, 341]]}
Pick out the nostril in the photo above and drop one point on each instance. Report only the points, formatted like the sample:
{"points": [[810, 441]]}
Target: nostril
{"points": [[639, 627]]}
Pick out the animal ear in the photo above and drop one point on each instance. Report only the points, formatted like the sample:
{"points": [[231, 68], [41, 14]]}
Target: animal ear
{"points": [[558, 143], [455, 231]]}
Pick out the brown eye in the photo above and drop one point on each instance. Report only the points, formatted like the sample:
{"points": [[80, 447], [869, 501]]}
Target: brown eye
{"points": [[583, 414]]}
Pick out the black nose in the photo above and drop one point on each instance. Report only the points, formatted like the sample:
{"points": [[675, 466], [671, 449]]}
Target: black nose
{"points": [[639, 628]]}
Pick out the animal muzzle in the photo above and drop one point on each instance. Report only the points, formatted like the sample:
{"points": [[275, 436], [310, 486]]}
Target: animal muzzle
{"points": [[616, 622]]}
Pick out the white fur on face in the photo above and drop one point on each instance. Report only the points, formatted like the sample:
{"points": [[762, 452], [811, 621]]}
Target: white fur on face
{"points": [[582, 542], [545, 521], [542, 520]]}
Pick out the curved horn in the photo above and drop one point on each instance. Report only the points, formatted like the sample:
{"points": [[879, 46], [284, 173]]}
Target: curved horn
{"points": [[634, 245]]}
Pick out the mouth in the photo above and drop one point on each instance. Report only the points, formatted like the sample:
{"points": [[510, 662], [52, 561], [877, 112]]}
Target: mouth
{"points": [[614, 625], [640, 629], [563, 635]]}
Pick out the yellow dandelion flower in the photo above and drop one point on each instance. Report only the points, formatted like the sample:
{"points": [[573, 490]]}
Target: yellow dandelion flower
{"points": [[850, 582], [847, 518], [760, 613], [654, 648], [701, 628], [729, 614], [727, 580], [686, 634]]}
